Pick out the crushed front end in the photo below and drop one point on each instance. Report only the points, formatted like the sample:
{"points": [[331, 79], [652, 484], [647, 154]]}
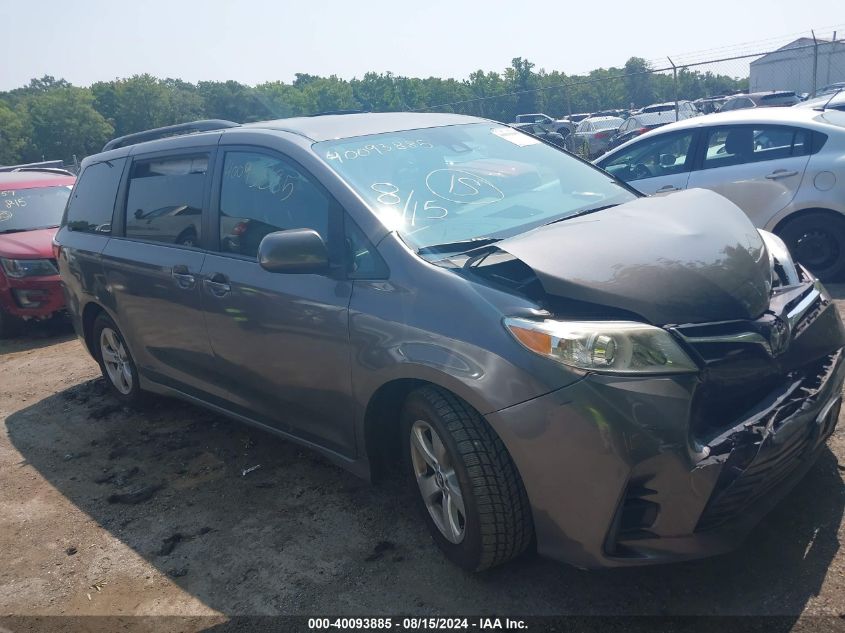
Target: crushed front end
{"points": [[635, 470]]}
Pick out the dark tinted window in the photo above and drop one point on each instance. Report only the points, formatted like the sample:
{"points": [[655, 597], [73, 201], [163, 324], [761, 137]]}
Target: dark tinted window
{"points": [[262, 194], [735, 145], [92, 201], [164, 203]]}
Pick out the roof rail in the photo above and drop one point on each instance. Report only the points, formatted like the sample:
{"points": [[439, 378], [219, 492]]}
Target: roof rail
{"points": [[330, 112], [39, 166], [59, 171], [206, 125]]}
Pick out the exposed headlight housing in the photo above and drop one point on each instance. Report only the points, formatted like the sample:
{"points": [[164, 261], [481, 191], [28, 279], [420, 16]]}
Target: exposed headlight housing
{"points": [[616, 347], [18, 268], [784, 271]]}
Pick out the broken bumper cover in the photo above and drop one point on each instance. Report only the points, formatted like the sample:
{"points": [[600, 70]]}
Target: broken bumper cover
{"points": [[617, 475]]}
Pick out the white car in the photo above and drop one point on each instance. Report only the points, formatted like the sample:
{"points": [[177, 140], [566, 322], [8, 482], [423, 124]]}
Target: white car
{"points": [[785, 167]]}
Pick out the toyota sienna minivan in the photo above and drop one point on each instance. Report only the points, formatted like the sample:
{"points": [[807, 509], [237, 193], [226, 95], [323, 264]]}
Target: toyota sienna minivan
{"points": [[557, 361]]}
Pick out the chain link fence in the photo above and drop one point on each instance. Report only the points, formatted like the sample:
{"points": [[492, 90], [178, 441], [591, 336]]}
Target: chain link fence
{"points": [[806, 65]]}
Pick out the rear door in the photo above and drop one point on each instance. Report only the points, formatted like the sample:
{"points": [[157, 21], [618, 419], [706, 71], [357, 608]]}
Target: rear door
{"points": [[152, 267], [280, 341], [758, 167], [657, 164]]}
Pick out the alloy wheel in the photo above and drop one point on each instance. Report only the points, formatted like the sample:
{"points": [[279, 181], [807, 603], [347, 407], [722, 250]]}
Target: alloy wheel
{"points": [[116, 360], [438, 481]]}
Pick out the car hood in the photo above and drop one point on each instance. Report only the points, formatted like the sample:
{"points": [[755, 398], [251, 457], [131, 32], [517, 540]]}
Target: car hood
{"points": [[28, 244], [691, 257]]}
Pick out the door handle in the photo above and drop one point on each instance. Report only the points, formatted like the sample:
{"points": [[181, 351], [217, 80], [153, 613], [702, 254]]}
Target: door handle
{"points": [[666, 188], [218, 284], [183, 278], [781, 173]]}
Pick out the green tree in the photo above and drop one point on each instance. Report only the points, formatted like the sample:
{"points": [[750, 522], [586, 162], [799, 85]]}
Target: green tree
{"points": [[638, 82], [231, 100], [524, 82], [64, 123], [13, 135]]}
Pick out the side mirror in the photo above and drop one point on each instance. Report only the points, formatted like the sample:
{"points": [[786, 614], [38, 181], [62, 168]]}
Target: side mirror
{"points": [[667, 160], [293, 251]]}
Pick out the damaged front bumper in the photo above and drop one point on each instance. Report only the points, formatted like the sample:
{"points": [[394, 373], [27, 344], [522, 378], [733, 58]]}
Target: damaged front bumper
{"points": [[624, 471]]}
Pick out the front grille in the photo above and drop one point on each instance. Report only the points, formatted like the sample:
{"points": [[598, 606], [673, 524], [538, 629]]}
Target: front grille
{"points": [[741, 366], [757, 462]]}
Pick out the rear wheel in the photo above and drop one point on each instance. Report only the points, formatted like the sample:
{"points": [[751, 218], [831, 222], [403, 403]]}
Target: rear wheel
{"points": [[116, 361], [9, 325], [817, 241], [470, 491]]}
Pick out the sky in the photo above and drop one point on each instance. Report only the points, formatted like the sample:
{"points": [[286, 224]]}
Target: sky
{"points": [[253, 41]]}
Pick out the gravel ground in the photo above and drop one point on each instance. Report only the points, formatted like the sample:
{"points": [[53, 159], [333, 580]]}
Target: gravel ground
{"points": [[106, 511]]}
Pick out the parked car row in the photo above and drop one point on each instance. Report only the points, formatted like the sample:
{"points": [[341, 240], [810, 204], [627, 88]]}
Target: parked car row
{"points": [[782, 166], [590, 134]]}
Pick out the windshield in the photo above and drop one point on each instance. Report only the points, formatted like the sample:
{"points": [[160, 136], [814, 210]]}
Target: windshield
{"points": [[467, 182], [27, 209]]}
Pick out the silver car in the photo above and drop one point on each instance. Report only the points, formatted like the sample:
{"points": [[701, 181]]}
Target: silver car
{"points": [[592, 136], [785, 167]]}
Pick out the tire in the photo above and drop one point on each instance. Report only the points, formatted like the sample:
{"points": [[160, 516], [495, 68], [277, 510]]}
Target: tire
{"points": [[116, 362], [817, 241], [472, 478], [10, 325]]}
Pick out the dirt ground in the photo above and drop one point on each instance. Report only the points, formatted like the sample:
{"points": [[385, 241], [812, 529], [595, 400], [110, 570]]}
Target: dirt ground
{"points": [[105, 511]]}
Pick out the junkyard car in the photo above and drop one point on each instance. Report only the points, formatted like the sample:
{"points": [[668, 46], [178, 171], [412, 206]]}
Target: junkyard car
{"points": [[555, 358], [592, 136], [31, 205], [782, 166]]}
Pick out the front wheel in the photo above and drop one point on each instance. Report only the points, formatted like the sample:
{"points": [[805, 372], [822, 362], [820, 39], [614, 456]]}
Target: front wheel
{"points": [[116, 362], [470, 491], [817, 241]]}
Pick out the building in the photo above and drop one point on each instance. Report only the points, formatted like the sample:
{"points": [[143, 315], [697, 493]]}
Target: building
{"points": [[791, 66]]}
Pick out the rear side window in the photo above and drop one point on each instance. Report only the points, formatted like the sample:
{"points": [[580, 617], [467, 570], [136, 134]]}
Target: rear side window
{"points": [[164, 203], [736, 145], [91, 204], [262, 194]]}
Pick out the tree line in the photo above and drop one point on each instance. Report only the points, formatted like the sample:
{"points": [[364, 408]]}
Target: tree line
{"points": [[52, 119]]}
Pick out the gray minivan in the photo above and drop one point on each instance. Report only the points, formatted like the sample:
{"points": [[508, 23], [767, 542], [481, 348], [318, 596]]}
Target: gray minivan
{"points": [[557, 361]]}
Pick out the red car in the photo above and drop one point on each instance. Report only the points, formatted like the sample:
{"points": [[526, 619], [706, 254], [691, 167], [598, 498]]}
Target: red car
{"points": [[31, 205]]}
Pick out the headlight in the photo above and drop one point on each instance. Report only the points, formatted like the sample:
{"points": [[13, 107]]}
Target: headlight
{"points": [[28, 267], [618, 347], [784, 272]]}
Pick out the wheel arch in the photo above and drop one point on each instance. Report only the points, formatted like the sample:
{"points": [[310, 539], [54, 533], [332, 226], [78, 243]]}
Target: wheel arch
{"points": [[382, 440], [795, 215], [89, 314]]}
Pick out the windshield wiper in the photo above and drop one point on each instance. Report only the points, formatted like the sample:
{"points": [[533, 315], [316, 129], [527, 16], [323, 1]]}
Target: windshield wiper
{"points": [[460, 246], [33, 228], [584, 212]]}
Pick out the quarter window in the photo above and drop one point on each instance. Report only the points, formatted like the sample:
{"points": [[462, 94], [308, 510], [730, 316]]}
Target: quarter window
{"points": [[165, 197], [262, 194], [92, 202]]}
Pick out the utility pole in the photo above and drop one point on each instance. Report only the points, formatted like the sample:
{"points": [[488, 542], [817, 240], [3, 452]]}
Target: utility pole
{"points": [[815, 63], [674, 85]]}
